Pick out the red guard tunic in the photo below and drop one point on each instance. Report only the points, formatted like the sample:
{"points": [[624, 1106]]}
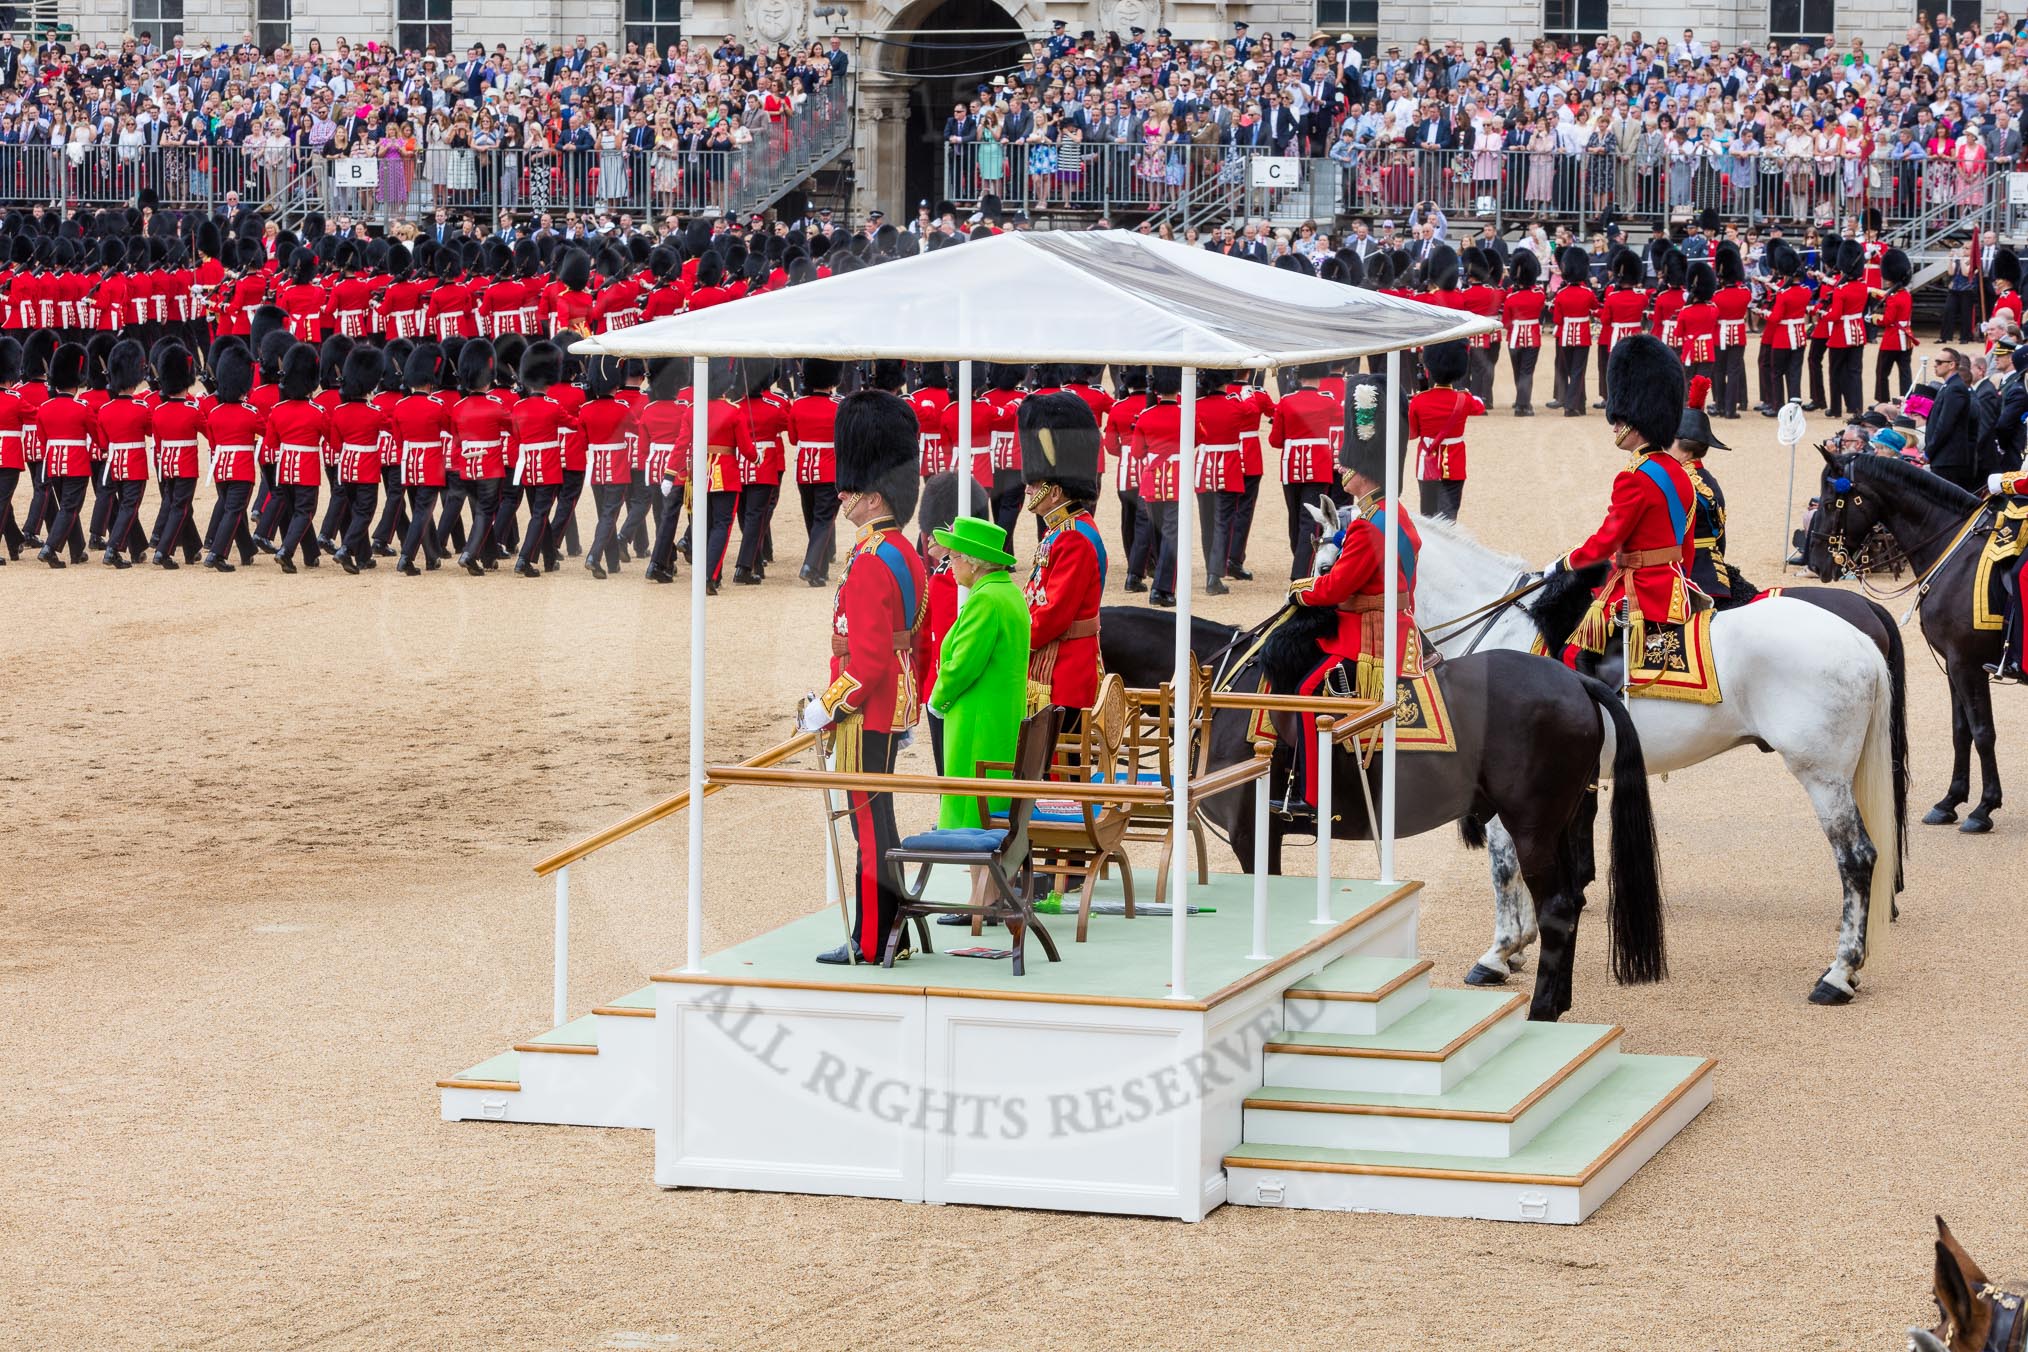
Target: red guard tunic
{"points": [[2007, 305], [1848, 316], [69, 434], [478, 426], [304, 302], [13, 417], [1897, 314], [1301, 431], [125, 423], [1436, 428], [232, 430], [359, 430], [873, 627], [1156, 447], [1697, 330], [351, 306], [1003, 411], [1221, 421], [1733, 303], [420, 431], [665, 300], [610, 429], [176, 425], [500, 307], [298, 430], [767, 414], [618, 306], [1572, 310], [32, 394], [111, 300], [1119, 431], [394, 312], [1064, 590], [540, 425], [982, 439], [1251, 463], [813, 422], [1788, 318], [1485, 301], [1521, 317], [728, 443], [1620, 315], [664, 431], [929, 404], [572, 312], [450, 312], [1099, 402], [1662, 319], [1646, 536]]}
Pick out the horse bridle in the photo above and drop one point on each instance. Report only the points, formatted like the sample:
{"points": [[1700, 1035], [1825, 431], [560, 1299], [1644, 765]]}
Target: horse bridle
{"points": [[1486, 616], [1860, 564]]}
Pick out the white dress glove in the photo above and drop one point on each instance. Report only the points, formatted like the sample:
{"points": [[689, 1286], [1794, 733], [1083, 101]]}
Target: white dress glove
{"points": [[668, 487], [1993, 482], [1552, 568], [1789, 426], [813, 717]]}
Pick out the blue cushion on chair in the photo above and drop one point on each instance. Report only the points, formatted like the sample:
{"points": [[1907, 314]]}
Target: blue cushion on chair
{"points": [[956, 839], [1069, 814]]}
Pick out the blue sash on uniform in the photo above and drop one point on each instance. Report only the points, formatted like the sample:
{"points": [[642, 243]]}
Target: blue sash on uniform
{"points": [[891, 554], [1090, 532], [1404, 548], [1679, 512]]}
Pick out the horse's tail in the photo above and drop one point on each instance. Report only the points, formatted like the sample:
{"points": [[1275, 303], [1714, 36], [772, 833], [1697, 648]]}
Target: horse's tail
{"points": [[1897, 678], [1874, 785], [1634, 915], [1472, 831]]}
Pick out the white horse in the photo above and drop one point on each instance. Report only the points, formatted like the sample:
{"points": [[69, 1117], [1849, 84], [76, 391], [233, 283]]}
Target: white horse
{"points": [[1795, 680]]}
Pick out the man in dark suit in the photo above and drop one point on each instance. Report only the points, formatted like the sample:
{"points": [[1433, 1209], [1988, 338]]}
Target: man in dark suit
{"points": [[1283, 124], [1323, 99], [1251, 245], [960, 126], [1948, 440], [1432, 131], [2009, 433]]}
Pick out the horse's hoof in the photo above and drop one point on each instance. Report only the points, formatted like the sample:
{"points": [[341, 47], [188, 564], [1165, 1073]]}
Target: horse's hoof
{"points": [[1482, 975], [1894, 910], [1827, 994], [1940, 816], [1975, 825]]}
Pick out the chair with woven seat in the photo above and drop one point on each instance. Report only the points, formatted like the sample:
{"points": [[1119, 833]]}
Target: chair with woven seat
{"points": [[1147, 759], [1004, 887], [1083, 839]]}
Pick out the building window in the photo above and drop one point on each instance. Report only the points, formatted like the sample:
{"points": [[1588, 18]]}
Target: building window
{"points": [[162, 18], [1967, 16], [422, 24], [271, 24], [1808, 22], [1574, 23], [654, 21], [1360, 18]]}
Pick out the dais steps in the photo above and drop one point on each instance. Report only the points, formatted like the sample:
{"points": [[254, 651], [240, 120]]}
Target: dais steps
{"points": [[595, 1071]]}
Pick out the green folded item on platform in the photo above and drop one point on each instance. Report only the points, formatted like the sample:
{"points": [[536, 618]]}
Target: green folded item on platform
{"points": [[1057, 904]]}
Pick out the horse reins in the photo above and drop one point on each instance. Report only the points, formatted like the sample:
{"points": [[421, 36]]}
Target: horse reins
{"points": [[1439, 634], [1840, 555]]}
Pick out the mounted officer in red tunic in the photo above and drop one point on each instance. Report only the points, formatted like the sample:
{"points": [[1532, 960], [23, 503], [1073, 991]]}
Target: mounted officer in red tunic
{"points": [[872, 702], [1646, 537], [1060, 463]]}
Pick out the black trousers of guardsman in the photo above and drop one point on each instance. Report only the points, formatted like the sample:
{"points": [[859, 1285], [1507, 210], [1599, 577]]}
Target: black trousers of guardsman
{"points": [[719, 511], [172, 520], [876, 884], [1166, 517], [301, 503], [1521, 361], [1730, 385], [394, 516], [67, 493], [1479, 372], [1570, 392], [421, 533], [542, 536], [1897, 362], [1818, 347], [605, 541], [756, 515], [820, 522], [123, 533], [228, 521], [484, 495], [360, 501], [1242, 525], [1847, 381]]}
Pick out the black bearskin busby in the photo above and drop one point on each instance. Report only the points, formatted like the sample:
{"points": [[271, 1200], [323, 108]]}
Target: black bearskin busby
{"points": [[1702, 285], [126, 366], [1575, 264], [66, 368], [10, 360], [939, 507], [475, 366], [1895, 268], [331, 361], [175, 372], [361, 380], [575, 270], [1626, 268], [1440, 269], [2007, 266], [1527, 269], [1725, 259], [266, 319], [1644, 389], [299, 371], [1060, 444], [232, 376], [541, 367], [1674, 270], [877, 449], [1445, 362], [1851, 260], [394, 361], [1782, 258]]}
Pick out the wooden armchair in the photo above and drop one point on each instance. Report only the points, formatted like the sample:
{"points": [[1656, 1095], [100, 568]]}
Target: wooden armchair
{"points": [[1081, 840], [1146, 752], [1005, 890]]}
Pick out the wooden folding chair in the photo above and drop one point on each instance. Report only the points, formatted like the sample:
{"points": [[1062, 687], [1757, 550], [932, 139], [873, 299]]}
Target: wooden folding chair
{"points": [[1000, 851], [1147, 752], [1083, 839]]}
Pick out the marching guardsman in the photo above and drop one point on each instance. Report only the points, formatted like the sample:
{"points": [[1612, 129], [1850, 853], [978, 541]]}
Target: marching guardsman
{"points": [[664, 423], [1897, 329], [359, 430], [419, 425], [1304, 422], [125, 419], [540, 424], [1436, 429], [13, 415], [1482, 298], [298, 429], [69, 432], [2014, 633], [728, 442], [232, 426], [1355, 586], [760, 480], [303, 299], [176, 424], [1572, 311], [1785, 329], [1156, 447], [1521, 325], [1252, 467], [2006, 285], [451, 310], [1221, 419], [481, 428], [1694, 438], [1621, 310], [1646, 534], [1137, 533], [813, 425], [1060, 459], [1697, 322], [1733, 299], [610, 430], [1847, 340], [1824, 276], [1670, 297], [929, 399], [31, 390], [871, 702]]}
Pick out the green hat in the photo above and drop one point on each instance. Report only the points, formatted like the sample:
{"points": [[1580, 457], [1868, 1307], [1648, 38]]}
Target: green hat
{"points": [[977, 539]]}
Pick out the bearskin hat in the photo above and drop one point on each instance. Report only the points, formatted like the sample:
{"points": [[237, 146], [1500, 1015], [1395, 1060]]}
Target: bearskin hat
{"points": [[1873, 220], [66, 367], [696, 237], [821, 373], [97, 348], [602, 377], [1290, 262], [1495, 266], [266, 319], [303, 267], [1702, 284], [495, 258], [1731, 271], [1644, 389], [273, 349], [877, 448], [1440, 269], [299, 371], [10, 360], [1164, 381], [1695, 426], [209, 242], [1708, 219], [663, 263], [2007, 266], [710, 269], [508, 350], [476, 361], [541, 366], [1060, 444], [232, 375], [1575, 264], [939, 506], [574, 270], [313, 226], [399, 260], [363, 369], [1445, 362], [1626, 268], [1675, 269], [1527, 269], [1895, 268], [394, 378], [1005, 375], [1851, 260], [126, 366], [331, 361], [1782, 258], [1362, 450], [37, 351], [448, 363]]}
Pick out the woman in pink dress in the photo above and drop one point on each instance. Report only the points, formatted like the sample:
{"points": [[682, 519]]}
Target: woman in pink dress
{"points": [[393, 174], [1971, 159]]}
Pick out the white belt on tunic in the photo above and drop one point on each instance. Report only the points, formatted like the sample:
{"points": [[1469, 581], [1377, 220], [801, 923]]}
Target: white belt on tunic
{"points": [[1731, 332], [1796, 328], [521, 463], [219, 453], [474, 453]]}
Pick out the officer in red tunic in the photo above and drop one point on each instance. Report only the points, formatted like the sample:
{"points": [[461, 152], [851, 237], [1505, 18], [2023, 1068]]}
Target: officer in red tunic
{"points": [[1571, 312], [419, 431], [1785, 329], [767, 415], [298, 428], [480, 421], [1733, 299], [540, 424], [451, 311], [1482, 351], [1670, 298], [871, 702], [1252, 467], [1621, 310], [1222, 419], [125, 419], [1697, 322], [13, 415], [1155, 447], [233, 427], [611, 428], [1848, 332], [1060, 460], [1436, 429], [2014, 632], [813, 428], [1521, 327], [1897, 328], [1302, 432], [177, 425], [1646, 537], [303, 299], [69, 434], [1137, 531], [360, 430], [1825, 275]]}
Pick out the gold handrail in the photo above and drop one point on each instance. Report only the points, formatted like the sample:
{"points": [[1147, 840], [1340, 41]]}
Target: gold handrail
{"points": [[667, 807], [847, 782]]}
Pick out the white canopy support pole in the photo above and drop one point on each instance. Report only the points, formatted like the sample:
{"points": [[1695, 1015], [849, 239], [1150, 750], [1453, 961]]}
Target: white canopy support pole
{"points": [[964, 460], [700, 567], [1186, 667], [1390, 644], [1261, 788], [559, 1003], [1327, 743]]}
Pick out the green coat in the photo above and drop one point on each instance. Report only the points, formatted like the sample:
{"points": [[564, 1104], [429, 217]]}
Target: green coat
{"points": [[982, 689]]}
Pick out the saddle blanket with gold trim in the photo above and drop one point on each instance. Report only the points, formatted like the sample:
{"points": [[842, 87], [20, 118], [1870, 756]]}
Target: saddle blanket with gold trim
{"points": [[1996, 563], [1673, 661]]}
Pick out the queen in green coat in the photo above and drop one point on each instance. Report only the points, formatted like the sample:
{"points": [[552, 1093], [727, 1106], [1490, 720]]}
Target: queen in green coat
{"points": [[982, 674]]}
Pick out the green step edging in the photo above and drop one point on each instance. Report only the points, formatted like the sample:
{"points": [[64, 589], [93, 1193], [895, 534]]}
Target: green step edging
{"points": [[1431, 1026], [1515, 1071], [579, 1032], [504, 1068], [1356, 974], [1566, 1148], [643, 998]]}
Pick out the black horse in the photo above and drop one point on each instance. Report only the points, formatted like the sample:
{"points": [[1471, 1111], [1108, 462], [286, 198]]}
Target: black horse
{"points": [[1529, 740], [1927, 517]]}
